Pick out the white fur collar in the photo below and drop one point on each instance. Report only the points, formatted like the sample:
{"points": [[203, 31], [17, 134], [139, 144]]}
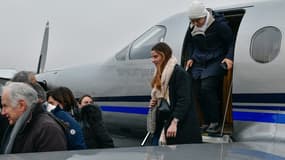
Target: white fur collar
{"points": [[165, 77]]}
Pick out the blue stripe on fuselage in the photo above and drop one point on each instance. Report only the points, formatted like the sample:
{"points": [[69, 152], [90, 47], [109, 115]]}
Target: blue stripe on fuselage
{"points": [[251, 115], [125, 109], [259, 117], [237, 115]]}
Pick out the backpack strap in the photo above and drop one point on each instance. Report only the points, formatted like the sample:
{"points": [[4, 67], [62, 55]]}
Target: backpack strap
{"points": [[65, 126]]}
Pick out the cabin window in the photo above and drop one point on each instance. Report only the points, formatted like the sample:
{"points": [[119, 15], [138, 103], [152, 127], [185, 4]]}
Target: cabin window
{"points": [[141, 47], [265, 44], [121, 56]]}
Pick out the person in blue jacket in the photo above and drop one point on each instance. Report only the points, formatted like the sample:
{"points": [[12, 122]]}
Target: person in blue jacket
{"points": [[75, 138], [210, 41]]}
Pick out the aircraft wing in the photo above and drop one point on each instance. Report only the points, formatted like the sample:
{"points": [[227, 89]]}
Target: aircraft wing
{"points": [[5, 75], [230, 151]]}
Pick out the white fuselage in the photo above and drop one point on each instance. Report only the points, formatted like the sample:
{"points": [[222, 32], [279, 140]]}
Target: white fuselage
{"points": [[122, 85]]}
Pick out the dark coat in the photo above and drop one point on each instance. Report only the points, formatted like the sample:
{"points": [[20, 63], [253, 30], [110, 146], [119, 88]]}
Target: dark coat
{"points": [[208, 51], [75, 138], [95, 134], [40, 133], [182, 107], [3, 126]]}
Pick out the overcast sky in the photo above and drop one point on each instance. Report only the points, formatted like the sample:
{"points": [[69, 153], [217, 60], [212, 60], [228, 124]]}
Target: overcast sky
{"points": [[81, 31]]}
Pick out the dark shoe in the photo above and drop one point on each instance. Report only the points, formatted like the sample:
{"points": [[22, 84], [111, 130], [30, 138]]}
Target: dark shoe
{"points": [[203, 128], [214, 128]]}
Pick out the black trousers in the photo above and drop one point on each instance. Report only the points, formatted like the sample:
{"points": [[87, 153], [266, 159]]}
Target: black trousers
{"points": [[208, 92]]}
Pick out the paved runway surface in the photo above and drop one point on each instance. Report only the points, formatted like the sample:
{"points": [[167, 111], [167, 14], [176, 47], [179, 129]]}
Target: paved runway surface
{"points": [[125, 137], [125, 141]]}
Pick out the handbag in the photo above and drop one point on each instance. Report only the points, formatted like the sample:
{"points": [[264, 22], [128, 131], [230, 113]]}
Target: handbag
{"points": [[163, 110], [163, 106]]}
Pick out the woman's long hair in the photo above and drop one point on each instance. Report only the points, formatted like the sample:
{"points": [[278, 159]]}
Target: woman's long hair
{"points": [[64, 96], [165, 51], [56, 95]]}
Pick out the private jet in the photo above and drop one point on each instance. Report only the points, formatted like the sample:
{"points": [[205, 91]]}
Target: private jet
{"points": [[253, 101], [254, 94]]}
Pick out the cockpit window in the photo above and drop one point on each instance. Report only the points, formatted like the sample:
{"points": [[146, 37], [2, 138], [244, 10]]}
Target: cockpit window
{"points": [[142, 46], [265, 44]]}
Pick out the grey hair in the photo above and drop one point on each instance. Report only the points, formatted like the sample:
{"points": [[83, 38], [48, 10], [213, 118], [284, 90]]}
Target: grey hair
{"points": [[20, 91], [39, 89], [27, 77], [23, 76]]}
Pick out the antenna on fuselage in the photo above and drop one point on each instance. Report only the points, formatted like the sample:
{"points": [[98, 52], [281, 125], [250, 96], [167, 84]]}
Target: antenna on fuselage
{"points": [[43, 55]]}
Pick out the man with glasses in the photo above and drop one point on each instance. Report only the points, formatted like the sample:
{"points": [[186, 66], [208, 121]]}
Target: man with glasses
{"points": [[211, 54]]}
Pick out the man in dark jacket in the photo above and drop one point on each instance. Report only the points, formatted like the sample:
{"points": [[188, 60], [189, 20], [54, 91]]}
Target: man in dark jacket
{"points": [[210, 41], [3, 125], [30, 128]]}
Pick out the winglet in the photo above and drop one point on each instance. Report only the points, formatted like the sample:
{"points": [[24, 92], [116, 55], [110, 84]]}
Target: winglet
{"points": [[43, 55]]}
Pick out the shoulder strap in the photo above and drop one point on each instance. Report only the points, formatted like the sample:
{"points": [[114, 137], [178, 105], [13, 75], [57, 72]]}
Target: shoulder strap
{"points": [[63, 125]]}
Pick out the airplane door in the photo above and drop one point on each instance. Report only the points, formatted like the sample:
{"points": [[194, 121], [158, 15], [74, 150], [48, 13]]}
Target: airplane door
{"points": [[258, 75]]}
